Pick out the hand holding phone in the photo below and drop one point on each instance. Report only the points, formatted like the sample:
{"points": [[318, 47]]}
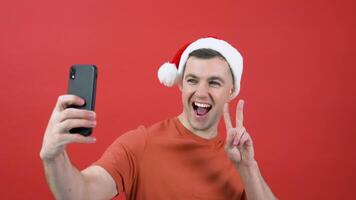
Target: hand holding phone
{"points": [[63, 119], [82, 83]]}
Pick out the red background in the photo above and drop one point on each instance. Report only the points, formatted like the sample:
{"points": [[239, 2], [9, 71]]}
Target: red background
{"points": [[297, 83]]}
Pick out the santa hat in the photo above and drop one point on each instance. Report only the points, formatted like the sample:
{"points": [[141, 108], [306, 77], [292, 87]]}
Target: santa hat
{"points": [[168, 74]]}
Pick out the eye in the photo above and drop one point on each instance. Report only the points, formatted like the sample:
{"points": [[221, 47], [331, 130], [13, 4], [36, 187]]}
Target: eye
{"points": [[214, 83], [192, 81]]}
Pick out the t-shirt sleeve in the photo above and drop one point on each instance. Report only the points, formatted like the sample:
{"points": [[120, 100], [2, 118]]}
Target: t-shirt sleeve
{"points": [[121, 159]]}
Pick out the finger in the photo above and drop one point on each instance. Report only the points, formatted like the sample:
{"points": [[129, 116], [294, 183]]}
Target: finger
{"points": [[227, 118], [68, 124], [231, 133], [65, 100], [234, 154], [239, 113], [76, 138], [240, 133], [73, 113], [248, 141], [243, 140]]}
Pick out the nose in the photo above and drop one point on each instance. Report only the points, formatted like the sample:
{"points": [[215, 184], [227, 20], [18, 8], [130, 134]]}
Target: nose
{"points": [[202, 90]]}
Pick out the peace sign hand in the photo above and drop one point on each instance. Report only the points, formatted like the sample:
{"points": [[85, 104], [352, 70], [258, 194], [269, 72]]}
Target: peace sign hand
{"points": [[239, 146]]}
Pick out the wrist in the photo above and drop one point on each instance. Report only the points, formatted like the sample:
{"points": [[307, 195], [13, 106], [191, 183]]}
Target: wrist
{"points": [[50, 160], [246, 164], [248, 169]]}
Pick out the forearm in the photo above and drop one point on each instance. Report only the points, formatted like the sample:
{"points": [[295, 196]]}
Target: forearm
{"points": [[64, 180], [255, 186]]}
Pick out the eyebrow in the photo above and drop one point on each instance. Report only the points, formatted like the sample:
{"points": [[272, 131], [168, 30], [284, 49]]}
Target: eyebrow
{"points": [[213, 78], [209, 79], [190, 76]]}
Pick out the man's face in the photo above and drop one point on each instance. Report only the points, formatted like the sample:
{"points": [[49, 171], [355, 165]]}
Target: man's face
{"points": [[206, 87]]}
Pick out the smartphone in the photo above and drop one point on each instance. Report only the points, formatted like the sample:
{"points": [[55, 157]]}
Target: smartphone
{"points": [[82, 83]]}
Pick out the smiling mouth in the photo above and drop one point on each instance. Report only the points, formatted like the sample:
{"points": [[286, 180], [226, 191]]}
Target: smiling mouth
{"points": [[201, 109]]}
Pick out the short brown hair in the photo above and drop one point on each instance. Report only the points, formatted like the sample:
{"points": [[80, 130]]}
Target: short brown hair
{"points": [[206, 53]]}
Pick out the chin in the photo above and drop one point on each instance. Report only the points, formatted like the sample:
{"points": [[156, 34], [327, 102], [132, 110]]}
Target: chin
{"points": [[201, 125]]}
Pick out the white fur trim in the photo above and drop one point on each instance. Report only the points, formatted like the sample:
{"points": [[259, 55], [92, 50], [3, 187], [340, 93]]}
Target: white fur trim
{"points": [[232, 56], [168, 74]]}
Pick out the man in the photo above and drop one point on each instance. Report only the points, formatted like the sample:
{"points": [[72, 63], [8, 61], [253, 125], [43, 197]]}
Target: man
{"points": [[179, 158]]}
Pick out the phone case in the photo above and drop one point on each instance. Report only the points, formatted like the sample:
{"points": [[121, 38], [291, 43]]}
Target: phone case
{"points": [[82, 82]]}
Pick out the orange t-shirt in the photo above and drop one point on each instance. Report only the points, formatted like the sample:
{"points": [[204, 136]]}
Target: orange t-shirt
{"points": [[167, 161]]}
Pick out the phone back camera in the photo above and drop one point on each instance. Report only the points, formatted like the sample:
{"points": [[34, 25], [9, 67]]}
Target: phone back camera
{"points": [[72, 73]]}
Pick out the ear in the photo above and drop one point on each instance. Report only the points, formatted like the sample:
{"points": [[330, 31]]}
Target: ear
{"points": [[230, 94], [180, 84]]}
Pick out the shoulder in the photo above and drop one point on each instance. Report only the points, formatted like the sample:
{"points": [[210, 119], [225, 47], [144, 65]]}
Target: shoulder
{"points": [[163, 127], [139, 136], [132, 138]]}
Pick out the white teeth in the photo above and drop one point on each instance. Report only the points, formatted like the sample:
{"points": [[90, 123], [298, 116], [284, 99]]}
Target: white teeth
{"points": [[203, 105]]}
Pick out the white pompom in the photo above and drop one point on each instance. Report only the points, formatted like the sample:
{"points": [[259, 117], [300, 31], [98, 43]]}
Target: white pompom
{"points": [[168, 74]]}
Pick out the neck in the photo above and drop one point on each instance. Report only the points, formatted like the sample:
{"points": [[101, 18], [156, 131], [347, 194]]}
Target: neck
{"points": [[208, 133]]}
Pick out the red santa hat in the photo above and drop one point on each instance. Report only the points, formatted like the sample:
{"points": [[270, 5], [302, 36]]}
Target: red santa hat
{"points": [[169, 73]]}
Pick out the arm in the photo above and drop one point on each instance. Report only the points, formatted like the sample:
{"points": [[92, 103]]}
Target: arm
{"points": [[255, 185], [65, 181], [239, 147]]}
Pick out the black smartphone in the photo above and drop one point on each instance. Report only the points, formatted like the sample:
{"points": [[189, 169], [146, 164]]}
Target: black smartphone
{"points": [[82, 83]]}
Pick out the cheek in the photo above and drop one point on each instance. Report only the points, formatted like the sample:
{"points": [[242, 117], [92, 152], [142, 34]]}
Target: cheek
{"points": [[186, 93], [187, 90], [222, 96]]}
